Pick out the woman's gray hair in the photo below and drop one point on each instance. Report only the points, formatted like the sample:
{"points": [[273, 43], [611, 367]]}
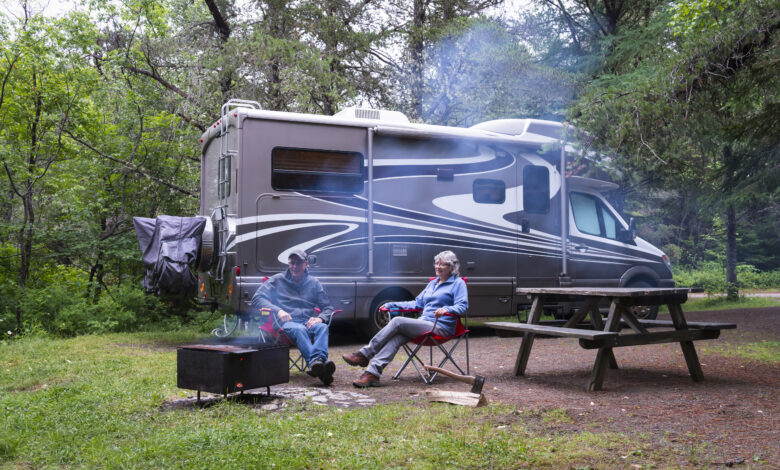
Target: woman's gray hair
{"points": [[449, 258]]}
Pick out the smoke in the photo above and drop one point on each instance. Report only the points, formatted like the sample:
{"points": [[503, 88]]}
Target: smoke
{"points": [[481, 72]]}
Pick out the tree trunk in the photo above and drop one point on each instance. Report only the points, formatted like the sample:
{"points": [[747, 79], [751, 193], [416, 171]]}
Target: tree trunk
{"points": [[731, 253], [417, 45]]}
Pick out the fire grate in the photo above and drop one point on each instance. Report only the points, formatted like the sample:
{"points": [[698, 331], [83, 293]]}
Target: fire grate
{"points": [[224, 369]]}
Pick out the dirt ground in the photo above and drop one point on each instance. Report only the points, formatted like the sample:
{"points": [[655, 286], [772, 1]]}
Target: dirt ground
{"points": [[736, 408]]}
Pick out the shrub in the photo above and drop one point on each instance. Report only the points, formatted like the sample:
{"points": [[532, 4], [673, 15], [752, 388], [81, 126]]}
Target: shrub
{"points": [[711, 276]]}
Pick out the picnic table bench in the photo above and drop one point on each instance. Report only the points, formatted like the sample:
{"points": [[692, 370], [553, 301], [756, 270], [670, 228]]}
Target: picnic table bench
{"points": [[605, 335]]}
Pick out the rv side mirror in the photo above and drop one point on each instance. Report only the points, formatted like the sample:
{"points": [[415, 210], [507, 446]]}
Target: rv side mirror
{"points": [[630, 234]]}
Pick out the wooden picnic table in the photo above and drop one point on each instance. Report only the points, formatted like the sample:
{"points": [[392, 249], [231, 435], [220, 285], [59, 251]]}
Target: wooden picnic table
{"points": [[605, 335]]}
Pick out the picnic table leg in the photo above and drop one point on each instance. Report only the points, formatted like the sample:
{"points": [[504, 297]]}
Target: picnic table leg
{"points": [[528, 338], [689, 351], [602, 357], [598, 324]]}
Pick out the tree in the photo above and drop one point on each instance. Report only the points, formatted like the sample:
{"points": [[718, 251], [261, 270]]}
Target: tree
{"points": [[43, 94], [692, 101]]}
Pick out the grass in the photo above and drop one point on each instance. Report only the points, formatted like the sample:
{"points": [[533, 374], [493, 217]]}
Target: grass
{"points": [[97, 402], [722, 303], [762, 351]]}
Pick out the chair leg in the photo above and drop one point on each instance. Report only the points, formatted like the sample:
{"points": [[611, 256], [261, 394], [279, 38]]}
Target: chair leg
{"points": [[410, 356], [414, 359], [298, 363], [448, 356]]}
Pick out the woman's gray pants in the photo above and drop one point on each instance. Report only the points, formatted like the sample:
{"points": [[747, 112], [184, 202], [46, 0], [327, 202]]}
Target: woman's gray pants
{"points": [[383, 346]]}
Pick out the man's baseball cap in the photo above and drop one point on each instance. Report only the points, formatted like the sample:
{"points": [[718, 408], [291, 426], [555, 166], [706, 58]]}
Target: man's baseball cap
{"points": [[299, 253]]}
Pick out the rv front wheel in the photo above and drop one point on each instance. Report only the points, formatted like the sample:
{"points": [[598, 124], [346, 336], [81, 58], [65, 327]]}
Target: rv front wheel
{"points": [[643, 312]]}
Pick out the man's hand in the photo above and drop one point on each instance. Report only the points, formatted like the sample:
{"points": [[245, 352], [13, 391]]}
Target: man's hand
{"points": [[283, 316], [440, 312], [313, 321]]}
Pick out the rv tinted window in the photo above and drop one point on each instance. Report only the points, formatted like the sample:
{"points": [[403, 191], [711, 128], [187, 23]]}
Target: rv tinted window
{"points": [[316, 170], [592, 217], [489, 191], [536, 189], [585, 214]]}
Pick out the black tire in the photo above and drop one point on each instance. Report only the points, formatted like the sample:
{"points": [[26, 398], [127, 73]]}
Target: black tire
{"points": [[643, 312], [377, 320]]}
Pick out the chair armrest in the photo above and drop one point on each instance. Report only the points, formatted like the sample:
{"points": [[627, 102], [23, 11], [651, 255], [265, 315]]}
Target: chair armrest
{"points": [[391, 312]]}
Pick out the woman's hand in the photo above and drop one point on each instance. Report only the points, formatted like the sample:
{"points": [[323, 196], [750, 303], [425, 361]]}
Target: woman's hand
{"points": [[440, 312]]}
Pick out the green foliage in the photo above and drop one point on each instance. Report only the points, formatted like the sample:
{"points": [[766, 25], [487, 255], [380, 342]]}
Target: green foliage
{"points": [[711, 276]]}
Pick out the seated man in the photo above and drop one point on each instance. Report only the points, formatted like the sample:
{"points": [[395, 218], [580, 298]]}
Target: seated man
{"points": [[292, 296]]}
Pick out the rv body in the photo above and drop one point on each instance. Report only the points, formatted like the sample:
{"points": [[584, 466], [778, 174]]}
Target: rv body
{"points": [[372, 199]]}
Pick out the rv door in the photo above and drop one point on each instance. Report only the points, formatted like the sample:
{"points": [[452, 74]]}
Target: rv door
{"points": [[597, 257]]}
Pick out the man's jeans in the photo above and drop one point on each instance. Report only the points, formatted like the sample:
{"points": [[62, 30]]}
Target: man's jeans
{"points": [[313, 343]]}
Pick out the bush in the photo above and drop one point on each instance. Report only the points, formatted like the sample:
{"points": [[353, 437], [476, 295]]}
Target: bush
{"points": [[57, 304], [711, 276]]}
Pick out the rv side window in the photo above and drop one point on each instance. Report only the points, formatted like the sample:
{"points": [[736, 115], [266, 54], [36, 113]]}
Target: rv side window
{"points": [[592, 217], [489, 191], [316, 170], [536, 189]]}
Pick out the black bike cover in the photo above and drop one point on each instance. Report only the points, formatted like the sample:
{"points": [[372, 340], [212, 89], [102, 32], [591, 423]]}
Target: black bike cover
{"points": [[170, 246]]}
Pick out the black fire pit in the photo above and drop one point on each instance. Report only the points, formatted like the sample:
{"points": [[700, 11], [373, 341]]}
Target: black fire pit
{"points": [[223, 369]]}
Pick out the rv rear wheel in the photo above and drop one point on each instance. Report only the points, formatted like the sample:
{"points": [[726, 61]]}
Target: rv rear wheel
{"points": [[643, 312], [377, 320]]}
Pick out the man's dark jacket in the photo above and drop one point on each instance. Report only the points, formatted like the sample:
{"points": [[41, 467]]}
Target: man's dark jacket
{"points": [[298, 299]]}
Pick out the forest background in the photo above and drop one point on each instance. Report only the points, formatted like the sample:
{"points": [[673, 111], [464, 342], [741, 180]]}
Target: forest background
{"points": [[102, 104]]}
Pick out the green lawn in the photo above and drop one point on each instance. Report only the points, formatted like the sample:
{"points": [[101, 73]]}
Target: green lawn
{"points": [[96, 402], [722, 303]]}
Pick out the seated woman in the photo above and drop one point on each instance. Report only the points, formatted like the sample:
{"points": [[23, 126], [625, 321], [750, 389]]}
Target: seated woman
{"points": [[446, 293]]}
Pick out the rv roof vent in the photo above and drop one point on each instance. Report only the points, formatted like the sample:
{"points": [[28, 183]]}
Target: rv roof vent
{"points": [[549, 129], [363, 113], [373, 114]]}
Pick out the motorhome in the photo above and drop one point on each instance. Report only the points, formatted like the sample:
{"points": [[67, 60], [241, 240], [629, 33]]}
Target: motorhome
{"points": [[372, 197]]}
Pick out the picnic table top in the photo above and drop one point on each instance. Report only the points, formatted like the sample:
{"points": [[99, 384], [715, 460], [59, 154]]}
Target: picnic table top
{"points": [[609, 291]]}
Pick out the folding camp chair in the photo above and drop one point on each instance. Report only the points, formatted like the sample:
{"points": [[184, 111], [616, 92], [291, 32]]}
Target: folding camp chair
{"points": [[270, 327], [432, 340]]}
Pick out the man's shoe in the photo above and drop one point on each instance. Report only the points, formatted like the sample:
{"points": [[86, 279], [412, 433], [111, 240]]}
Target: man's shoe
{"points": [[316, 367], [366, 380], [329, 367], [356, 359]]}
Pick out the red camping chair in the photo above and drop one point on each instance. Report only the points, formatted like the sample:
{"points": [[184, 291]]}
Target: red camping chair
{"points": [[271, 328], [432, 340]]}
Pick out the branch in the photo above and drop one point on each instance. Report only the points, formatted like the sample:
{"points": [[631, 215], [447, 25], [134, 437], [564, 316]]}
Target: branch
{"points": [[168, 85], [642, 139], [5, 79], [131, 166], [223, 28]]}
